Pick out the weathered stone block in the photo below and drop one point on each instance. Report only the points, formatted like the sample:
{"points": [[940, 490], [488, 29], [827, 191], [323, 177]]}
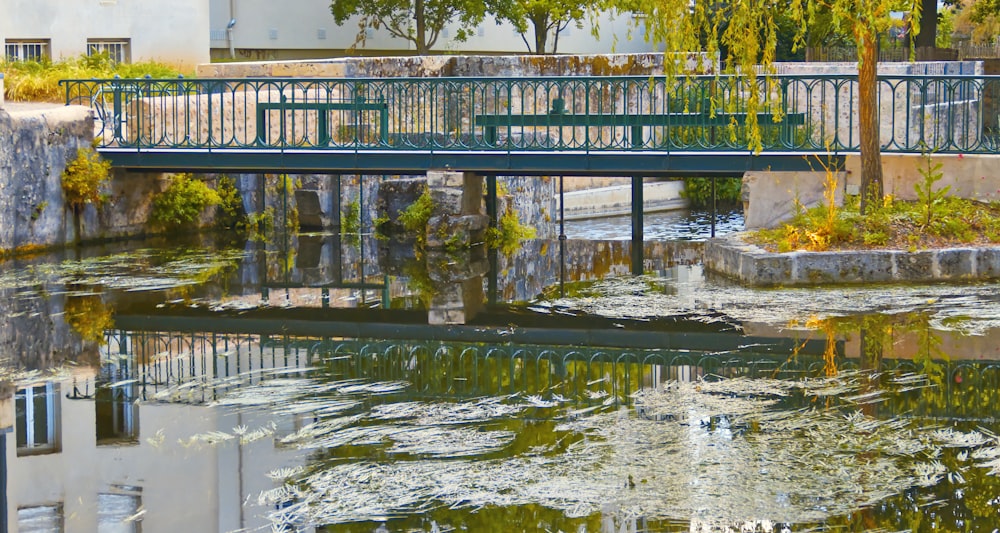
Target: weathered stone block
{"points": [[770, 269], [954, 263], [988, 263], [844, 267], [447, 268], [310, 210], [456, 231], [445, 178], [913, 266], [394, 197], [447, 202]]}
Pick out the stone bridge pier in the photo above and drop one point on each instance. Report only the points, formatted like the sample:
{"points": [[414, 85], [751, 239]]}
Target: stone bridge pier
{"points": [[458, 219]]}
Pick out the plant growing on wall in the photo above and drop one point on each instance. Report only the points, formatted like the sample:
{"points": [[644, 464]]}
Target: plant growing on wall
{"points": [[414, 218], [82, 182], [231, 214], [180, 205], [509, 233]]}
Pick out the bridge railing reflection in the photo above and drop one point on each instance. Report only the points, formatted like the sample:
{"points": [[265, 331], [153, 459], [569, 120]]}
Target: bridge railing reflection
{"points": [[200, 368]]}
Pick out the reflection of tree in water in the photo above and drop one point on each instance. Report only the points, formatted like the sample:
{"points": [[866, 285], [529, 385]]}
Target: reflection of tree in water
{"points": [[89, 317]]}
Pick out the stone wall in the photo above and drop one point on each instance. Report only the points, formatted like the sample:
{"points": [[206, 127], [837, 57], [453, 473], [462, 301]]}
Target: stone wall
{"points": [[35, 147], [34, 150], [442, 66], [769, 198]]}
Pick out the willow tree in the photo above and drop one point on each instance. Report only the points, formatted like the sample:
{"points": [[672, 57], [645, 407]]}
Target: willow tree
{"points": [[747, 32]]}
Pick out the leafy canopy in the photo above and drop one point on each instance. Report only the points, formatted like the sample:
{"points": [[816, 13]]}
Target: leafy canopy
{"points": [[544, 17], [418, 21]]}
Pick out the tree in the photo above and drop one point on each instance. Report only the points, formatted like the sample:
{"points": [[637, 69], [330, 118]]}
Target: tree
{"points": [[546, 17], [748, 33], [417, 21]]}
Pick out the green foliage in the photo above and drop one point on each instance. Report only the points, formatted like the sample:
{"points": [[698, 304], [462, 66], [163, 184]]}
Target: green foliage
{"points": [[380, 225], [88, 316], [418, 22], [83, 178], [546, 18], [744, 36], [181, 204], [39, 80], [260, 224], [509, 233], [699, 191], [896, 224], [230, 213], [419, 280], [351, 222], [414, 218], [930, 202], [36, 213]]}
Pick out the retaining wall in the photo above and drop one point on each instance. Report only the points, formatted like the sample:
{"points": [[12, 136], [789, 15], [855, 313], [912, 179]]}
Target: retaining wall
{"points": [[754, 266]]}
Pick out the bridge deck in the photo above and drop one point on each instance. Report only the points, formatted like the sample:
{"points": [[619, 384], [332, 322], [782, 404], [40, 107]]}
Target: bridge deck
{"points": [[522, 163], [614, 125]]}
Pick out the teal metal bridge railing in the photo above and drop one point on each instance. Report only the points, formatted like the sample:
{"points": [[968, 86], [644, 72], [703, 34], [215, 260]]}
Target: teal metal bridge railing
{"points": [[799, 114]]}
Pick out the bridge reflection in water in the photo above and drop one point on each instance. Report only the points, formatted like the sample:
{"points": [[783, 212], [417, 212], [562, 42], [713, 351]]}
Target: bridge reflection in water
{"points": [[203, 367]]}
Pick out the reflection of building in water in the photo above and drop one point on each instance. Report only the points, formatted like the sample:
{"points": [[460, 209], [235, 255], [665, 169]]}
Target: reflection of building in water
{"points": [[80, 460]]}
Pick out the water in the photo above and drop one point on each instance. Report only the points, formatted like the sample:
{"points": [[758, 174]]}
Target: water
{"points": [[296, 386], [677, 225]]}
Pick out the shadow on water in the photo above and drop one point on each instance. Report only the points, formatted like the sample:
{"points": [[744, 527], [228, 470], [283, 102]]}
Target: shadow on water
{"points": [[348, 386]]}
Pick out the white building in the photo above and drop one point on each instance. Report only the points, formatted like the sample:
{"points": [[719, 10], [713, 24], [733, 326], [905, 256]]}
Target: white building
{"points": [[266, 30], [175, 32]]}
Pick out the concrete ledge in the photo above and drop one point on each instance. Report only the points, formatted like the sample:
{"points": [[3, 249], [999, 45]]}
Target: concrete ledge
{"points": [[617, 200], [754, 266]]}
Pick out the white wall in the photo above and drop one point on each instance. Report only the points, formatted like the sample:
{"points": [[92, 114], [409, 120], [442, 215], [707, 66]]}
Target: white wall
{"points": [[265, 25], [176, 31]]}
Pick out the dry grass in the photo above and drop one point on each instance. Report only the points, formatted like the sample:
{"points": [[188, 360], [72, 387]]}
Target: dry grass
{"points": [[32, 81]]}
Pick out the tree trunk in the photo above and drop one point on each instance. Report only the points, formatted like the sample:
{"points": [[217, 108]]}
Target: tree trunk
{"points": [[868, 123], [541, 24], [927, 38], [418, 18]]}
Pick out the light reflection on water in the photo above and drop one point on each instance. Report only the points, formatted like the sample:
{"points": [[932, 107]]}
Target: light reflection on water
{"points": [[680, 225], [199, 431]]}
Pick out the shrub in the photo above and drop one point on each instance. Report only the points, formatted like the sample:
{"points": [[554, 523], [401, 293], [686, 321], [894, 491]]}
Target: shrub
{"points": [[699, 191], [180, 205], [39, 80], [230, 213], [414, 218], [509, 233], [351, 223], [83, 178]]}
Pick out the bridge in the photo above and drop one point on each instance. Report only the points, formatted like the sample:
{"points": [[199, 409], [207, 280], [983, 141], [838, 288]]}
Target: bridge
{"points": [[609, 126]]}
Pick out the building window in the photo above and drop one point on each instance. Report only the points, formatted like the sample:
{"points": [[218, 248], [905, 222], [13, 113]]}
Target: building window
{"points": [[117, 50], [117, 415], [26, 49], [36, 425], [40, 519], [118, 511]]}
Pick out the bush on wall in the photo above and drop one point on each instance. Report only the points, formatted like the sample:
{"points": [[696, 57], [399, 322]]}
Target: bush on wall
{"points": [[182, 203]]}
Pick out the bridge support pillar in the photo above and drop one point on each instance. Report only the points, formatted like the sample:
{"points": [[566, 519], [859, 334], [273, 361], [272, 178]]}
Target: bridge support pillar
{"points": [[637, 201], [458, 286], [458, 220]]}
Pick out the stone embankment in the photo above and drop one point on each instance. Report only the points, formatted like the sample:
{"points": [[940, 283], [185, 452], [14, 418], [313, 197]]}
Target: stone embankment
{"points": [[754, 266]]}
